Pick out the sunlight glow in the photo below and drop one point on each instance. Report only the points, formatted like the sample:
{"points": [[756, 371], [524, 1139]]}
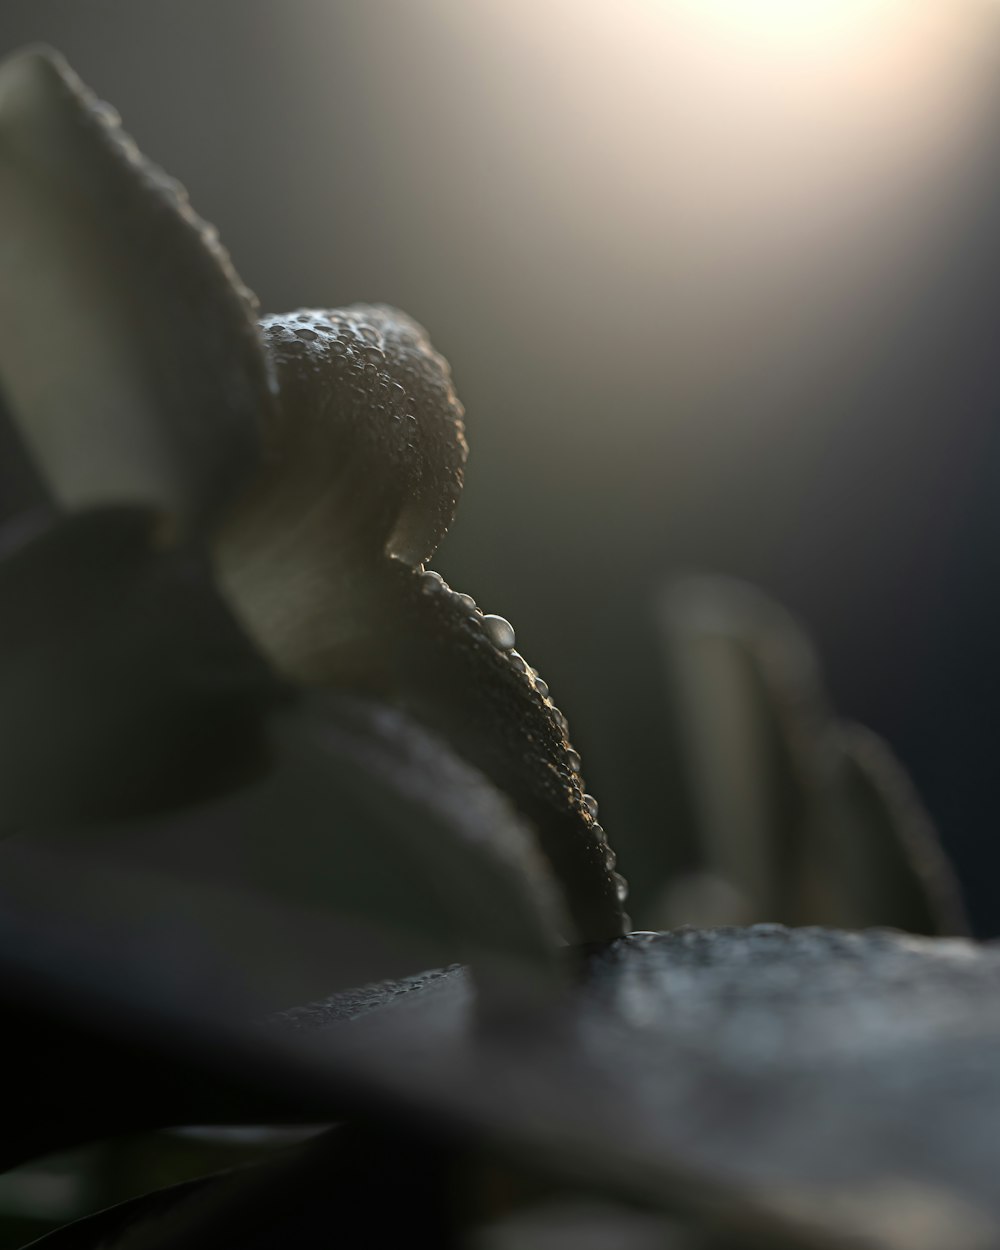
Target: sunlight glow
{"points": [[792, 25]]}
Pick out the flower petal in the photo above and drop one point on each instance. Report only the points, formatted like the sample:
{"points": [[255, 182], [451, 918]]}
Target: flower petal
{"points": [[789, 812], [427, 652], [363, 459], [883, 845], [129, 355]]}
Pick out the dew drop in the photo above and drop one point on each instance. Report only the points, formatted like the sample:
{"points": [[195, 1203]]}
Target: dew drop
{"points": [[561, 720], [621, 886], [598, 832], [542, 687], [308, 335], [499, 632], [518, 661], [590, 803], [466, 601], [431, 581], [610, 859], [573, 760]]}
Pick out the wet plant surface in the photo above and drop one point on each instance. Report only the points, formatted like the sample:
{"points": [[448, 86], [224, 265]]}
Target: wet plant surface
{"points": [[309, 928]]}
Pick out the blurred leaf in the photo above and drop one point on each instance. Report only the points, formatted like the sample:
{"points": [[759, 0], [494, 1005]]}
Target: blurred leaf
{"points": [[360, 815], [358, 1186], [792, 822], [125, 999], [751, 721], [117, 1225], [770, 1087], [784, 1088], [585, 1224], [127, 685], [883, 845], [129, 353]]}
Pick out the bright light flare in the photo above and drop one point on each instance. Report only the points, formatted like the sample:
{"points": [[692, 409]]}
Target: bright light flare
{"points": [[828, 26]]}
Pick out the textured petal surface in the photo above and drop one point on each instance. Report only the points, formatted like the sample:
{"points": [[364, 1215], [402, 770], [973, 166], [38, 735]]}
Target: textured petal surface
{"points": [[432, 654], [363, 459]]}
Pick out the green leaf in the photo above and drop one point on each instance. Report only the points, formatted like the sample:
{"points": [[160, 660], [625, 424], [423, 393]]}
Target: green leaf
{"points": [[129, 354]]}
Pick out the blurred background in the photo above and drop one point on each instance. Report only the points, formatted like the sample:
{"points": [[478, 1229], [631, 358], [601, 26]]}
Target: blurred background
{"points": [[719, 283]]}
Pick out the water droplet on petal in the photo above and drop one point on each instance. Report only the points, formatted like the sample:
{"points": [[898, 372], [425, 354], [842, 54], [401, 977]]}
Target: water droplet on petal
{"points": [[307, 335], [542, 687], [561, 720], [598, 832], [466, 601], [499, 632], [431, 581], [610, 858], [621, 886], [573, 760], [590, 803], [517, 660]]}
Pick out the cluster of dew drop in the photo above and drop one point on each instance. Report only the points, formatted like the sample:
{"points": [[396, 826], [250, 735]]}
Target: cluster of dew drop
{"points": [[500, 633]]}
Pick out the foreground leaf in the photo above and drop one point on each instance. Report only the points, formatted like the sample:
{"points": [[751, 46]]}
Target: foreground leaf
{"points": [[796, 1088], [359, 814], [774, 1087]]}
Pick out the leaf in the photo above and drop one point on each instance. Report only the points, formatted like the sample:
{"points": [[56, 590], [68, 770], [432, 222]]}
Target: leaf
{"points": [[782, 1088], [127, 1000], [358, 1185], [361, 815], [772, 1087], [127, 685], [129, 354], [750, 717], [794, 815], [884, 844]]}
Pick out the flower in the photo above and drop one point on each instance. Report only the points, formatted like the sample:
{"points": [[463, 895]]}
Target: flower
{"points": [[256, 755]]}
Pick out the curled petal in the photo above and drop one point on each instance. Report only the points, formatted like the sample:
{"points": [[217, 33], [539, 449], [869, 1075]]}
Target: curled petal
{"points": [[129, 354], [363, 458]]}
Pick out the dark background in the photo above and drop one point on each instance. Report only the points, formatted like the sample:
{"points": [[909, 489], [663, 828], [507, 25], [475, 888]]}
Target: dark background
{"points": [[716, 297]]}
